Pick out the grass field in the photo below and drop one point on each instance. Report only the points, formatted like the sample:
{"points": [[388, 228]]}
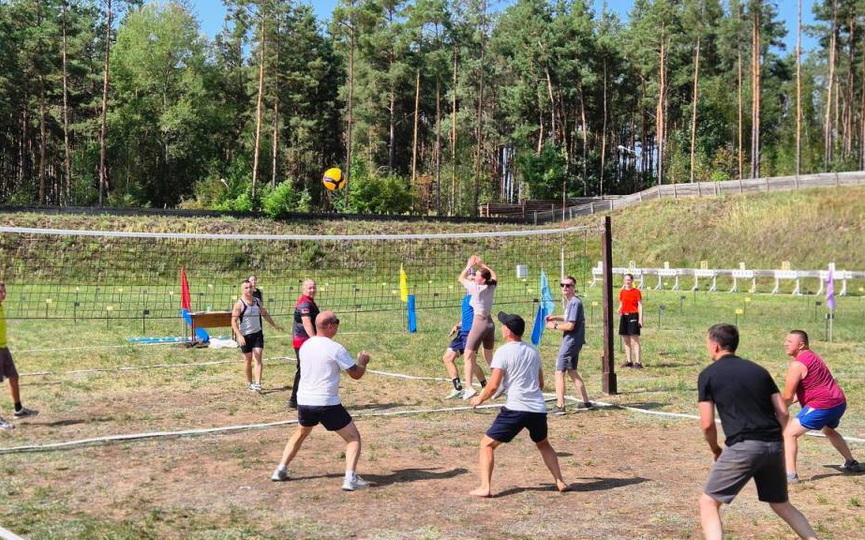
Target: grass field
{"points": [[633, 474]]}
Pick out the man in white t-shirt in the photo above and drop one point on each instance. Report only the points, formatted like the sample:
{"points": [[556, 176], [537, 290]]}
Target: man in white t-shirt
{"points": [[318, 398], [516, 365]]}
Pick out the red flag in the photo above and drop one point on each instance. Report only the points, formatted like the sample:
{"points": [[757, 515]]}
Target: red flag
{"points": [[185, 297]]}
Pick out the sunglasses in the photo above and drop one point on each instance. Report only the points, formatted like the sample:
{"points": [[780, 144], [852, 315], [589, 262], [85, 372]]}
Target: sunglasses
{"points": [[563, 285]]}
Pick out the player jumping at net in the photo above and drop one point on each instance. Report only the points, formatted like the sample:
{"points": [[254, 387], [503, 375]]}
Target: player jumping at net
{"points": [[246, 323], [456, 348], [318, 398], [482, 290], [516, 366]]}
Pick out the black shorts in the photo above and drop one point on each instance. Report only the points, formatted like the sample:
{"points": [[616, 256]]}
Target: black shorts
{"points": [[332, 417], [7, 366], [509, 423], [253, 341], [629, 324]]}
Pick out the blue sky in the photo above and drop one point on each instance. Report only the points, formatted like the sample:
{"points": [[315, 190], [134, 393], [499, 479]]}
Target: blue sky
{"points": [[211, 14]]}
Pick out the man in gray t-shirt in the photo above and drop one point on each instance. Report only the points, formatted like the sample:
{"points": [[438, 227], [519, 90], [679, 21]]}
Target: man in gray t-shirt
{"points": [[517, 365], [573, 327]]}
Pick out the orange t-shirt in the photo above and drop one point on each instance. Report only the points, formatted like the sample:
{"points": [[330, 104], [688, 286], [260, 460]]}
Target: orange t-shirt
{"points": [[629, 299]]}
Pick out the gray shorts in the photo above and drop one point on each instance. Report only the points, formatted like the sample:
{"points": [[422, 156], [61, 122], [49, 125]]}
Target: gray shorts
{"points": [[7, 366], [483, 332], [763, 461], [568, 361]]}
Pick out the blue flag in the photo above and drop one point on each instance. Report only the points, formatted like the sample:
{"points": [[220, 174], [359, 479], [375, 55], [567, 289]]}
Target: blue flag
{"points": [[547, 295], [412, 316], [538, 328], [546, 307]]}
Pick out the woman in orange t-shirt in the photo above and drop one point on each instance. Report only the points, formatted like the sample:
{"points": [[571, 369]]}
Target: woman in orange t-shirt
{"points": [[631, 309]]}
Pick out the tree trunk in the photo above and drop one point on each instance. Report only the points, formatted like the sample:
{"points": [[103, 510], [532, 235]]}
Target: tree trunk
{"points": [[695, 98], [739, 84], [414, 130], [66, 196], [43, 140], [848, 97], [454, 138], [660, 121], [274, 160], [103, 131], [584, 128], [259, 106], [604, 129], [827, 120], [799, 93], [350, 106], [438, 146], [755, 93]]}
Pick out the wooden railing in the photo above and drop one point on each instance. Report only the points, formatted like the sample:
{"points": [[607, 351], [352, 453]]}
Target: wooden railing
{"points": [[700, 189]]}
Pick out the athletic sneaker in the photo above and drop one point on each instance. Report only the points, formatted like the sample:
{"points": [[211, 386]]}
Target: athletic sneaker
{"points": [[454, 394], [250, 386], [628, 364], [638, 365], [25, 412], [292, 404], [469, 393], [587, 406], [558, 411], [6, 425], [793, 478], [279, 475], [852, 466], [499, 391], [355, 484], [257, 387]]}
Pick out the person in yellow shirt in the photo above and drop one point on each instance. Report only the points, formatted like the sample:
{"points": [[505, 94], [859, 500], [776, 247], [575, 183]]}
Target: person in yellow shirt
{"points": [[8, 371]]}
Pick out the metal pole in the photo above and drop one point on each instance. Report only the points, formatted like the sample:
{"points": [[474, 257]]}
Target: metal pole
{"points": [[609, 370]]}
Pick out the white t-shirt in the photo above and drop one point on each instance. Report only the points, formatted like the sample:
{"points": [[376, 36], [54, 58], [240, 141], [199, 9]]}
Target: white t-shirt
{"points": [[482, 297], [322, 360], [522, 365]]}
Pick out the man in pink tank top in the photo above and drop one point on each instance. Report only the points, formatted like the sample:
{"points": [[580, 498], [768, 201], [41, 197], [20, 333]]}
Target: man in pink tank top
{"points": [[810, 382]]}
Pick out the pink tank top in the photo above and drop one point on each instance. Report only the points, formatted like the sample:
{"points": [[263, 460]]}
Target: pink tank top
{"points": [[818, 389]]}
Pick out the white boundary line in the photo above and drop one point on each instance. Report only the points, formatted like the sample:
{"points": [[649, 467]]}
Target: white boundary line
{"points": [[9, 535], [267, 425]]}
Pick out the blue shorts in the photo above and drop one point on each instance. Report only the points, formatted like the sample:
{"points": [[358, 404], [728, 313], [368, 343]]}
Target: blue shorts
{"points": [[567, 362], [509, 423], [332, 417], [812, 418], [458, 344]]}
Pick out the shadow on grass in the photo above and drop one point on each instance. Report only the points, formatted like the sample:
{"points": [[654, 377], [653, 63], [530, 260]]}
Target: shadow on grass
{"points": [[839, 472], [649, 405], [598, 484], [400, 476], [374, 407], [274, 390], [403, 476]]}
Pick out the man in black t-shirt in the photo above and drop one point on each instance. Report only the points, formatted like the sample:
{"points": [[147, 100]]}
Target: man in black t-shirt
{"points": [[753, 415]]}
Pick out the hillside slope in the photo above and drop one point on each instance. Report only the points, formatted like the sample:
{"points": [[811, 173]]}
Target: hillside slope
{"points": [[809, 228]]}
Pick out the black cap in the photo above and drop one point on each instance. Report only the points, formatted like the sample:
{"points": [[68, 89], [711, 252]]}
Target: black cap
{"points": [[515, 323]]}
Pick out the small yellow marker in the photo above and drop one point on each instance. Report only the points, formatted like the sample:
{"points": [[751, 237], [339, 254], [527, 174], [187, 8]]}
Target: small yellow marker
{"points": [[740, 311]]}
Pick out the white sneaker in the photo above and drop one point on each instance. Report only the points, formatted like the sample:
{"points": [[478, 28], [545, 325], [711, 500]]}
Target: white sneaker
{"points": [[469, 393], [499, 391], [356, 484], [250, 386], [257, 387], [279, 475], [6, 425], [454, 394]]}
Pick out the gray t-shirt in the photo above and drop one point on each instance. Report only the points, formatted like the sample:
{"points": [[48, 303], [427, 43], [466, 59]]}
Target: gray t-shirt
{"points": [[573, 340], [522, 366]]}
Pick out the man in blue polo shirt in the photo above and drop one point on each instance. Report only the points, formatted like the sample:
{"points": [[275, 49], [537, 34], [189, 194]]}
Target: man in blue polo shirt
{"points": [[517, 366]]}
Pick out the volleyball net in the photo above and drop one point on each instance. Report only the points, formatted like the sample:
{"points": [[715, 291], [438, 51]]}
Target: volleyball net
{"points": [[78, 274]]}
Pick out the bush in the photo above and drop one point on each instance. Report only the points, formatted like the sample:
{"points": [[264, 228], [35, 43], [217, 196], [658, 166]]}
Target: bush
{"points": [[280, 201], [372, 194]]}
